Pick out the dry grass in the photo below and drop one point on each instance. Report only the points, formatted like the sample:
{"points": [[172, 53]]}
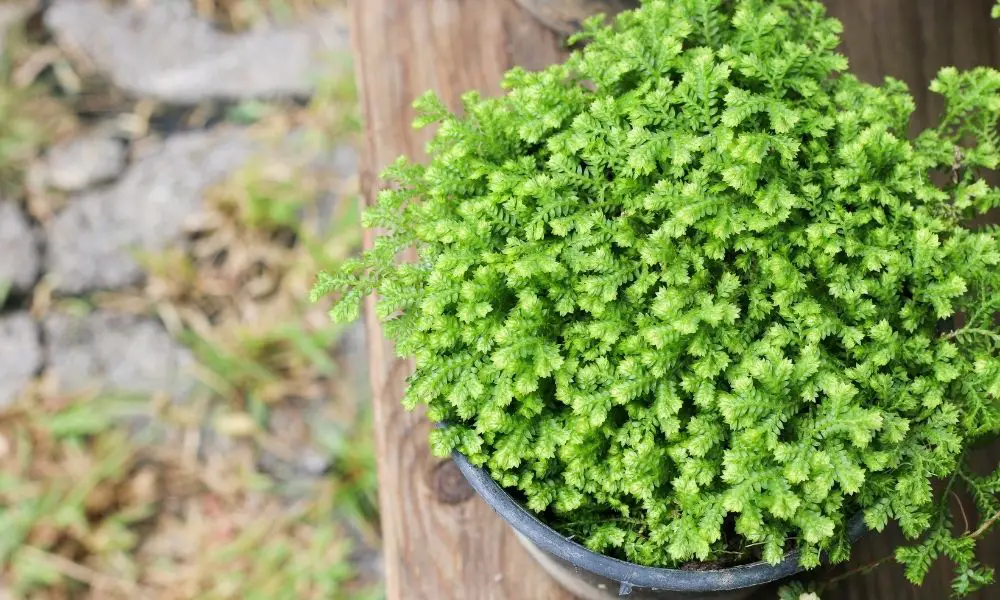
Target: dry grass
{"points": [[237, 294], [30, 118], [240, 15], [72, 493], [121, 498], [91, 512]]}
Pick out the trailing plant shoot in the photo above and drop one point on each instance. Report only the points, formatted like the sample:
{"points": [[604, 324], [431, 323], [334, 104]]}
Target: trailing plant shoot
{"points": [[684, 294]]}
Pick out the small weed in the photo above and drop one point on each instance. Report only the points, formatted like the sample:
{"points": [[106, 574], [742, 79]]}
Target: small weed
{"points": [[251, 546], [30, 117], [74, 490], [89, 511]]}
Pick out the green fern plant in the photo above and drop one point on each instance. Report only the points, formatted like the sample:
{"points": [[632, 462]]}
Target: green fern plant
{"points": [[687, 294]]}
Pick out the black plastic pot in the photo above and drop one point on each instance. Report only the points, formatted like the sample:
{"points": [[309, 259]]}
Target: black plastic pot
{"points": [[592, 576]]}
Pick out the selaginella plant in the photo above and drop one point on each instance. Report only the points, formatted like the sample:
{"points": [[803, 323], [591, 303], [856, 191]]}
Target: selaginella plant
{"points": [[694, 295]]}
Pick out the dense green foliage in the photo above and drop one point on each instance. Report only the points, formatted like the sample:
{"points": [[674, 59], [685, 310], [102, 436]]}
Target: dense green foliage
{"points": [[686, 293]]}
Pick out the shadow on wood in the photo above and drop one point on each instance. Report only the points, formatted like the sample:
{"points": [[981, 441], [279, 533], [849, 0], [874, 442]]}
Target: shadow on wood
{"points": [[912, 40], [566, 16], [441, 542]]}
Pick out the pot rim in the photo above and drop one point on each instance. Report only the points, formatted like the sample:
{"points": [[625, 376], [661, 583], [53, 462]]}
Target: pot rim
{"points": [[657, 578]]}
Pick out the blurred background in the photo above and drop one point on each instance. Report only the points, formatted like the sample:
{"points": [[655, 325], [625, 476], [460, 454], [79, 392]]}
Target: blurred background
{"points": [[176, 420]]}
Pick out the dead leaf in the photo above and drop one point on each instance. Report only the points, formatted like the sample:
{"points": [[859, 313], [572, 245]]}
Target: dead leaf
{"points": [[236, 425]]}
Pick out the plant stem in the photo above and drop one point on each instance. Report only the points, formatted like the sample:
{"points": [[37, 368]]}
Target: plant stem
{"points": [[948, 491], [973, 331], [961, 508], [985, 526], [863, 569]]}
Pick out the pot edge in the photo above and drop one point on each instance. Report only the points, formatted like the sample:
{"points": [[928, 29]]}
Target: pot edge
{"points": [[657, 578]]}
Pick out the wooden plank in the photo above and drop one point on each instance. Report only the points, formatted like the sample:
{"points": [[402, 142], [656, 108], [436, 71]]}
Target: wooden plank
{"points": [[440, 540], [565, 16], [912, 40]]}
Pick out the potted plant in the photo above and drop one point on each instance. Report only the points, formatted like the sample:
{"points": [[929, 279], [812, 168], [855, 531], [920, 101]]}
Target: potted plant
{"points": [[692, 311]]}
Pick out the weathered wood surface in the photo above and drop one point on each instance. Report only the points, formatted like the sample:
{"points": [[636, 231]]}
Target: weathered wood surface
{"points": [[441, 542], [912, 40], [565, 16]]}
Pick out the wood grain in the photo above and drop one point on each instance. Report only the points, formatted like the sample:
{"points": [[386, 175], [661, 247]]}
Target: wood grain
{"points": [[565, 16], [441, 541], [912, 40]]}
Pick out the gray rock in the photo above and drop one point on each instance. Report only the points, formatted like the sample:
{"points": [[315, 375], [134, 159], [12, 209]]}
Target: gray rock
{"points": [[166, 52], [352, 356], [19, 259], [341, 162], [304, 430], [82, 162], [307, 461], [108, 351], [20, 355], [344, 160], [92, 243]]}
